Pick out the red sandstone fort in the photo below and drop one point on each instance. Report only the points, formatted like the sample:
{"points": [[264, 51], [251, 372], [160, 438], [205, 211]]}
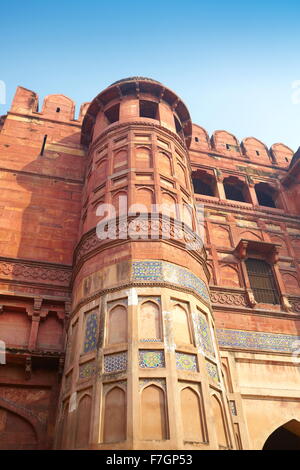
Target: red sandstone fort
{"points": [[145, 343]]}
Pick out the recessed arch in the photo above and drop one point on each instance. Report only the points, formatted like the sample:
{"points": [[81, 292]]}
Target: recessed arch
{"points": [[285, 437], [83, 421], [114, 429], [117, 325], [153, 413], [150, 321], [181, 328], [191, 414], [219, 421]]}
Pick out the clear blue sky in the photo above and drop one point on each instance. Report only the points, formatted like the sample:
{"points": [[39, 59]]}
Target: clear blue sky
{"points": [[233, 63]]}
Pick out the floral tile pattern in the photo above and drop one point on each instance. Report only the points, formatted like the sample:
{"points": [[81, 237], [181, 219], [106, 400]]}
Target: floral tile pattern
{"points": [[186, 362], [151, 359]]}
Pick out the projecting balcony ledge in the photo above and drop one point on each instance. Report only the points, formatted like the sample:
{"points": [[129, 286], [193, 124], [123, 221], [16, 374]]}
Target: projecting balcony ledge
{"points": [[260, 249]]}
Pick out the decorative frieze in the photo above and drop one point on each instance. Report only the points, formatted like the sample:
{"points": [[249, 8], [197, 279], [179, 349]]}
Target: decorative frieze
{"points": [[257, 341]]}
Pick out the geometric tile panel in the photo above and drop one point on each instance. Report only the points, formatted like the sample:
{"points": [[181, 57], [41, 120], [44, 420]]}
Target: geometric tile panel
{"points": [[90, 338], [87, 370], [161, 271], [115, 362], [144, 382], [212, 371], [257, 341], [186, 362], [151, 359], [203, 335]]}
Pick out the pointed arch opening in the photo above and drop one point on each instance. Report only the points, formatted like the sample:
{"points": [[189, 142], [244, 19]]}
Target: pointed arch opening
{"points": [[286, 437]]}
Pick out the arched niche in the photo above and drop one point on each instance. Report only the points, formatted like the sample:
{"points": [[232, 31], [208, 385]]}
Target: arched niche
{"points": [[83, 421], [181, 174], [50, 333], [165, 163], [229, 276], [117, 325], [119, 202], [145, 197], [187, 215], [120, 160], [221, 236], [181, 328], [153, 414], [169, 205], [16, 432], [192, 420], [143, 157], [150, 321], [219, 421], [114, 429]]}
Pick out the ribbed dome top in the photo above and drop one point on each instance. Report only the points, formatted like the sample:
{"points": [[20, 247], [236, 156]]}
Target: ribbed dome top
{"points": [[134, 79]]}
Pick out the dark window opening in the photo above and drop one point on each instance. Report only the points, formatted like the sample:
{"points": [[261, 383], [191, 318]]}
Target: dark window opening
{"points": [[286, 159], [149, 109], [178, 125], [265, 195], [234, 193], [196, 139], [58, 110], [262, 281], [112, 114], [232, 147], [201, 187], [257, 152]]}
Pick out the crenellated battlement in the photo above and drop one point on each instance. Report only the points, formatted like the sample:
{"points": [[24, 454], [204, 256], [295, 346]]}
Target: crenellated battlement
{"points": [[250, 148]]}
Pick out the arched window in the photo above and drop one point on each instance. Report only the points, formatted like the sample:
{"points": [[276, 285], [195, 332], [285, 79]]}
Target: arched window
{"points": [[235, 190], [262, 281], [204, 183], [266, 195]]}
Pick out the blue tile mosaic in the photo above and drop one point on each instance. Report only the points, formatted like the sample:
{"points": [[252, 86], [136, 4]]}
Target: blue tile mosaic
{"points": [[257, 341], [87, 370], [90, 338], [168, 272], [186, 362], [203, 336], [115, 362], [212, 371], [151, 359]]}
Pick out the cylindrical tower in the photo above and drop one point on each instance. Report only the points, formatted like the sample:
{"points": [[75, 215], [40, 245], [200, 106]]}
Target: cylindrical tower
{"points": [[142, 365]]}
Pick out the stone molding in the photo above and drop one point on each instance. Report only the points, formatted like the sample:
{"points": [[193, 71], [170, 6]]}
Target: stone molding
{"points": [[34, 271]]}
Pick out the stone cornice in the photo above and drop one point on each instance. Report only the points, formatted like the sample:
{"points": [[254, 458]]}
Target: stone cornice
{"points": [[119, 125], [90, 244]]}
